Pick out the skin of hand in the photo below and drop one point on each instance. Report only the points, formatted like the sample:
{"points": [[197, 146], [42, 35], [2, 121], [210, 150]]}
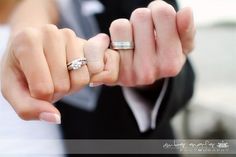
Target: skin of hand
{"points": [[162, 38], [34, 66], [34, 69]]}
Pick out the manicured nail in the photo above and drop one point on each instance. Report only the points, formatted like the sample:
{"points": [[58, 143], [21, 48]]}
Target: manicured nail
{"points": [[50, 117], [95, 84]]}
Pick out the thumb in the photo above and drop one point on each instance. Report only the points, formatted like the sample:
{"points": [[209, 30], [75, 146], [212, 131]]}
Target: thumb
{"points": [[15, 90]]}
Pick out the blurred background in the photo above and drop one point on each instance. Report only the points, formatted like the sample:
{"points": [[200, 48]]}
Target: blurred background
{"points": [[211, 113]]}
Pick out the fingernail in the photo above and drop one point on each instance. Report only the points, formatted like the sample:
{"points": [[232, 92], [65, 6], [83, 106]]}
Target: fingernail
{"points": [[50, 117], [95, 84]]}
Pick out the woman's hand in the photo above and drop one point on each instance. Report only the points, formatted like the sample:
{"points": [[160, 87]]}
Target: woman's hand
{"points": [[34, 70], [162, 39]]}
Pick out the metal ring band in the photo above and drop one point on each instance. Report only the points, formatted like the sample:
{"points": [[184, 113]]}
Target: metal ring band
{"points": [[122, 45], [76, 64]]}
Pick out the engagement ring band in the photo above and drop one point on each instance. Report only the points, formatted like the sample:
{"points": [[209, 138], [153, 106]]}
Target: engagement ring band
{"points": [[76, 64]]}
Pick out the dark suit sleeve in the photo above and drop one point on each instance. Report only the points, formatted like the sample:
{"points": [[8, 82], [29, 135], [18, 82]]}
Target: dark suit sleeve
{"points": [[179, 92]]}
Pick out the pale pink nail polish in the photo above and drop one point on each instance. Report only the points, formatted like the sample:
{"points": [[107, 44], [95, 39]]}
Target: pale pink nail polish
{"points": [[50, 117], [95, 84]]}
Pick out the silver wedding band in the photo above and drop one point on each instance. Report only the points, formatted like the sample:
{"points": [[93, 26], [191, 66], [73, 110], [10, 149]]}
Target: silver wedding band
{"points": [[122, 45], [76, 64]]}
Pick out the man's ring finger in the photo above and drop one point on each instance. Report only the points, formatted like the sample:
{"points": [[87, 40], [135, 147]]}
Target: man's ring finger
{"points": [[122, 45]]}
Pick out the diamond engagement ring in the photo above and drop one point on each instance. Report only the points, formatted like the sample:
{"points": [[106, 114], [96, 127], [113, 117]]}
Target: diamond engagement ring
{"points": [[76, 64], [122, 45]]}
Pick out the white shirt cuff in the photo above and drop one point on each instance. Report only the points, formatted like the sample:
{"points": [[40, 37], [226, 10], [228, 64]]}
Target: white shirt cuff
{"points": [[145, 115]]}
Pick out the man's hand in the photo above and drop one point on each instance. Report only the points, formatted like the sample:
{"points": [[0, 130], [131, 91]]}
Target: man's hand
{"points": [[162, 39]]}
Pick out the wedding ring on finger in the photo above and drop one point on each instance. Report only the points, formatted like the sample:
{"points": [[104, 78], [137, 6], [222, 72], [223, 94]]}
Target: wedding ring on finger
{"points": [[122, 45], [76, 64]]}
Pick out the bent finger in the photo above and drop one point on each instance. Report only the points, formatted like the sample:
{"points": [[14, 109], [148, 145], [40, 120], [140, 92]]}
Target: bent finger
{"points": [[169, 50], [121, 31], [145, 46], [186, 29], [55, 54], [111, 71], [94, 50], [29, 53], [15, 90], [74, 47]]}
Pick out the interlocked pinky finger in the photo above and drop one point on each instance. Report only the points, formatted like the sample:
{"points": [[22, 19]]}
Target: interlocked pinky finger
{"points": [[109, 75]]}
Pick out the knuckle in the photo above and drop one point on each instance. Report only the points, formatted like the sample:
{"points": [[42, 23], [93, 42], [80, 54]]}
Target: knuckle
{"points": [[69, 33], [24, 41], [49, 27], [92, 48], [105, 40], [127, 81], [120, 25], [42, 90], [95, 44], [104, 37], [163, 9], [141, 14], [146, 78], [62, 87], [126, 77], [50, 31], [170, 69], [25, 35], [151, 4]]}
